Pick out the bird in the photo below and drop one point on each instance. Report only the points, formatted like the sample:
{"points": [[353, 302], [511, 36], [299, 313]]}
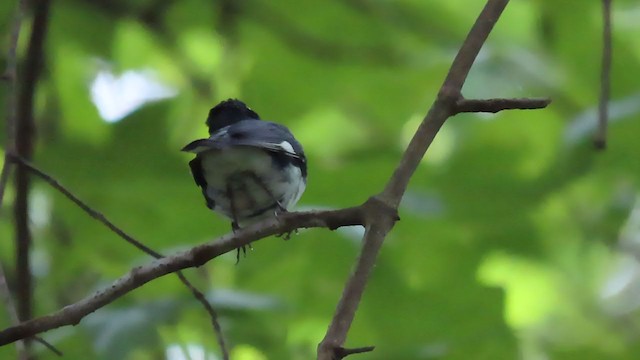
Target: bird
{"points": [[248, 169]]}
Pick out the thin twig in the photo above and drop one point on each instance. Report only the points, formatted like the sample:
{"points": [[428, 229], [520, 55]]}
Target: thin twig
{"points": [[194, 257], [128, 238], [51, 348], [13, 315], [600, 137], [343, 352], [496, 105], [11, 310]]}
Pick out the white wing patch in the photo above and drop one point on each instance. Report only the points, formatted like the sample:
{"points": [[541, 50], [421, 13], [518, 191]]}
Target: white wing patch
{"points": [[286, 146]]}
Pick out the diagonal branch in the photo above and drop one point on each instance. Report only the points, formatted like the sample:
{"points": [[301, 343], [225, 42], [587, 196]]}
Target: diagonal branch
{"points": [[194, 257], [131, 240], [381, 221], [441, 109]]}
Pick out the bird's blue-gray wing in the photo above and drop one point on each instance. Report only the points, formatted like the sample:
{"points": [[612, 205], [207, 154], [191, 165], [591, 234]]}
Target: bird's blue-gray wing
{"points": [[201, 181], [261, 134]]}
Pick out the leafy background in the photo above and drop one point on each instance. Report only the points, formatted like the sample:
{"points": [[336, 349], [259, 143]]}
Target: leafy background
{"points": [[517, 239]]}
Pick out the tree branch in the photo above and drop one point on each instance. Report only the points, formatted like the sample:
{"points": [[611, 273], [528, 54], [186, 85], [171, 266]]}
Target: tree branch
{"points": [[194, 257], [378, 214], [13, 315], [342, 352], [131, 240], [442, 108], [379, 223], [11, 77], [24, 145], [11, 310], [600, 137], [379, 219], [496, 105]]}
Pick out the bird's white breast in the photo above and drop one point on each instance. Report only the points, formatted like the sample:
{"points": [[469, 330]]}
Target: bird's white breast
{"points": [[232, 166]]}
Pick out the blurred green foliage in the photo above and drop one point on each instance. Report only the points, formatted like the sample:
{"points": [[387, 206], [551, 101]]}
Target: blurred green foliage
{"points": [[517, 239]]}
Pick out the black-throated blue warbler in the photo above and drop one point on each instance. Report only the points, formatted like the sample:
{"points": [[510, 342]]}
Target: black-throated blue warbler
{"points": [[248, 169]]}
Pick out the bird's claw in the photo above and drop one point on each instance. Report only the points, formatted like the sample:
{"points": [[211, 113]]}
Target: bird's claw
{"points": [[287, 234], [244, 252]]}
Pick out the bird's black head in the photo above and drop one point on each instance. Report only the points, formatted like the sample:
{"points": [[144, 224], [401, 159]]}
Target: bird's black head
{"points": [[229, 112]]}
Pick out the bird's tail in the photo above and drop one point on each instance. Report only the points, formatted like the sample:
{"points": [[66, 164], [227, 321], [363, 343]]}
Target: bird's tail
{"points": [[199, 146]]}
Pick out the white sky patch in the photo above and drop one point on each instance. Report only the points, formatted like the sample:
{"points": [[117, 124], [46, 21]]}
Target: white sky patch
{"points": [[39, 208], [117, 96], [188, 352]]}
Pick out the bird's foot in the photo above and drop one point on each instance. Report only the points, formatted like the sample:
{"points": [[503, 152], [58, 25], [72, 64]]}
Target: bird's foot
{"points": [[287, 235], [244, 252], [235, 228]]}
